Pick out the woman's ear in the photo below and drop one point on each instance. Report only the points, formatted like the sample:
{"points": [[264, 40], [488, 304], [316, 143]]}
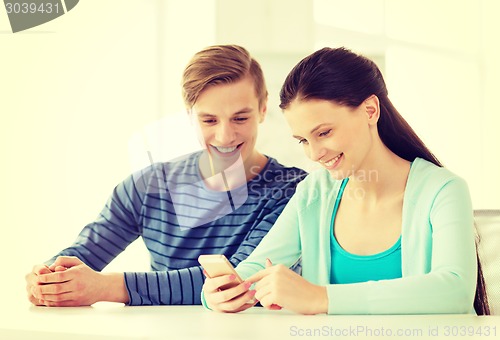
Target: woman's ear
{"points": [[372, 108]]}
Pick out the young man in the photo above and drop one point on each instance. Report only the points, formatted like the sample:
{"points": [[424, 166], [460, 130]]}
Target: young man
{"points": [[222, 200]]}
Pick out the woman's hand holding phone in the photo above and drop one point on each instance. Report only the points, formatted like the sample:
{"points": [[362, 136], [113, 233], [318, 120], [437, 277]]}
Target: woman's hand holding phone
{"points": [[232, 300], [223, 289]]}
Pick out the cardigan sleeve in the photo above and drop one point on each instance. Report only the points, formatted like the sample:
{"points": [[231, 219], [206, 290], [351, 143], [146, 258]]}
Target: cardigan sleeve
{"points": [[280, 245], [448, 286], [184, 286]]}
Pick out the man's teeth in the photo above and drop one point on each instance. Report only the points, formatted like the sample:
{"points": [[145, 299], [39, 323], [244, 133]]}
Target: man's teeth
{"points": [[331, 162], [225, 150]]}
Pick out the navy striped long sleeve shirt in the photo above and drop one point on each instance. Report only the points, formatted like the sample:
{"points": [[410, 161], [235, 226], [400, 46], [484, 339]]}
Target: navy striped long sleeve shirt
{"points": [[178, 218]]}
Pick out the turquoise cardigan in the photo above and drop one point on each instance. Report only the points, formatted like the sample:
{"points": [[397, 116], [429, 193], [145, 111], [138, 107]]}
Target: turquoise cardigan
{"points": [[438, 246]]}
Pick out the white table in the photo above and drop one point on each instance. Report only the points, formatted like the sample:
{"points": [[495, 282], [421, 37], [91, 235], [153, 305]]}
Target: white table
{"points": [[114, 321]]}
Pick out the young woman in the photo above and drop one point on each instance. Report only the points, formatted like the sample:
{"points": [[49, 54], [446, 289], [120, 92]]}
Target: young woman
{"points": [[382, 229]]}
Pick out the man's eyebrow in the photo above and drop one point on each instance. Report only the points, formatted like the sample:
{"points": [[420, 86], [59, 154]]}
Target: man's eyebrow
{"points": [[204, 114], [243, 110], [239, 112]]}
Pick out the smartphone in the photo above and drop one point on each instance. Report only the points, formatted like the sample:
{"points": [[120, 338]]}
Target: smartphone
{"points": [[217, 265]]}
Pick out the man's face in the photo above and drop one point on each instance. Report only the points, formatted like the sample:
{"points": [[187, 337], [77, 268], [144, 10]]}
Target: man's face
{"points": [[227, 117]]}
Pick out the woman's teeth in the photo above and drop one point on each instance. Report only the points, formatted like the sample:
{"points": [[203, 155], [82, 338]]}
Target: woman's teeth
{"points": [[332, 161]]}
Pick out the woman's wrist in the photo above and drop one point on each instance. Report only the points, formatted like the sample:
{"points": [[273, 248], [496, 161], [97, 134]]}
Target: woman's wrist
{"points": [[322, 301]]}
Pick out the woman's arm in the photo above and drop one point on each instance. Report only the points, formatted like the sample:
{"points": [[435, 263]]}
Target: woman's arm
{"points": [[282, 244]]}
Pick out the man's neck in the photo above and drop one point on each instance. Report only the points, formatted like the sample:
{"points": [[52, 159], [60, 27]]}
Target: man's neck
{"points": [[220, 176]]}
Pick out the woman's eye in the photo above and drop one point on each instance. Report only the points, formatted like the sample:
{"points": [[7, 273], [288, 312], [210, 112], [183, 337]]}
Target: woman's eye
{"points": [[303, 141], [325, 133]]}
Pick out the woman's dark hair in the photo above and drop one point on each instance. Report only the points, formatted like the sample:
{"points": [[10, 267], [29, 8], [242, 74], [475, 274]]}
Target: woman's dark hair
{"points": [[346, 78], [341, 76], [481, 304]]}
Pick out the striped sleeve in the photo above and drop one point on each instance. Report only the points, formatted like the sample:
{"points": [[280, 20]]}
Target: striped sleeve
{"points": [[143, 205], [173, 287], [184, 286], [117, 225], [267, 217]]}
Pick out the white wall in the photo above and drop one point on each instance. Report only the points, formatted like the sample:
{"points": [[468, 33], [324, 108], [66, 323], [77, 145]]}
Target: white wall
{"points": [[71, 93], [439, 59], [437, 73], [490, 111], [74, 91]]}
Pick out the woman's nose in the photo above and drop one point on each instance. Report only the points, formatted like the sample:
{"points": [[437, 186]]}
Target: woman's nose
{"points": [[315, 152]]}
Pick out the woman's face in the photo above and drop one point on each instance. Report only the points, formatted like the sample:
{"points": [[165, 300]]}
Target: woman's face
{"points": [[336, 136]]}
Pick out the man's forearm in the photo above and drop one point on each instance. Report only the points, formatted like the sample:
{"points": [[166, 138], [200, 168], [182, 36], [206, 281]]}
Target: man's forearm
{"points": [[113, 288]]}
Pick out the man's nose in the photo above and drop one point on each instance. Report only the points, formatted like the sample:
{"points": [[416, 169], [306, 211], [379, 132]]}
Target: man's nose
{"points": [[225, 133]]}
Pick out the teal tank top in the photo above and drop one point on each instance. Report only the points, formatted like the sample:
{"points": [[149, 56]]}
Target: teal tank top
{"points": [[351, 268]]}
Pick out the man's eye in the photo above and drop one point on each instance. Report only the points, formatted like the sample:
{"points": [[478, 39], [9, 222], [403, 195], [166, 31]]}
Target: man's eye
{"points": [[241, 119], [208, 121]]}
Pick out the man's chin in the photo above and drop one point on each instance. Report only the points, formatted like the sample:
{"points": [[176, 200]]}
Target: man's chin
{"points": [[225, 161]]}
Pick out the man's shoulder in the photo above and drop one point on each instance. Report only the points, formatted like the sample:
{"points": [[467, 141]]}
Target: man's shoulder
{"points": [[157, 175], [275, 167], [182, 163], [186, 164], [277, 174]]}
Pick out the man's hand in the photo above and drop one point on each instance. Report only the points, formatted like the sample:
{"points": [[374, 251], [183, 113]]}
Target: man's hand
{"points": [[69, 283], [32, 281]]}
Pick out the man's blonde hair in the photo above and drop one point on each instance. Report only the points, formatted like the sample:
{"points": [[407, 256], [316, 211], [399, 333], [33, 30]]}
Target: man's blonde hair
{"points": [[221, 64]]}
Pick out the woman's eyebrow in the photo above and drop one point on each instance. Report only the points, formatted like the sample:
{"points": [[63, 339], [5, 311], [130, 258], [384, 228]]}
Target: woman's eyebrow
{"points": [[313, 130], [318, 127]]}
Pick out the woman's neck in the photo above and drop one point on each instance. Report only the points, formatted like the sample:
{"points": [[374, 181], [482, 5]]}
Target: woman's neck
{"points": [[382, 177]]}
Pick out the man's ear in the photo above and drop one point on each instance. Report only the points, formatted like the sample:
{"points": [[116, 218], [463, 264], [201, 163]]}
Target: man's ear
{"points": [[372, 108], [263, 111], [189, 112]]}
